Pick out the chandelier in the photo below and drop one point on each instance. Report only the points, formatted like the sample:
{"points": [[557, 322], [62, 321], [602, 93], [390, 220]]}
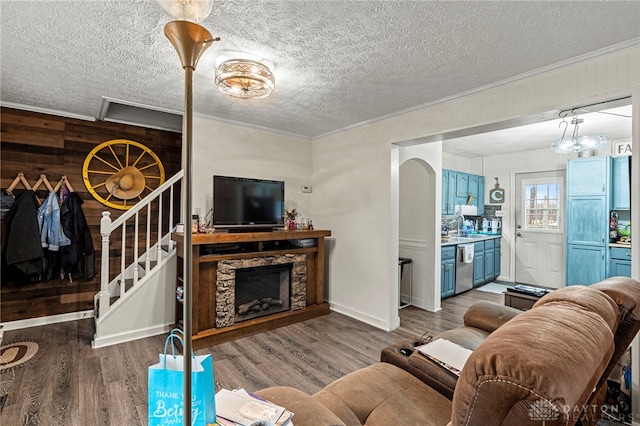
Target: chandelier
{"points": [[244, 78], [576, 143]]}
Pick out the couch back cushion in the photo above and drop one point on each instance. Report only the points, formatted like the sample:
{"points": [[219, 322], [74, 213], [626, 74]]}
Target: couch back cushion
{"points": [[540, 366]]}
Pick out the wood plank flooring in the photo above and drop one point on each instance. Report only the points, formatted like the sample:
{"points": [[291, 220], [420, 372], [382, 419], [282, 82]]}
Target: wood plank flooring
{"points": [[73, 384]]}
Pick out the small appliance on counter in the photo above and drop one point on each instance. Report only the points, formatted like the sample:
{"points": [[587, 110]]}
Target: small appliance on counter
{"points": [[495, 226]]}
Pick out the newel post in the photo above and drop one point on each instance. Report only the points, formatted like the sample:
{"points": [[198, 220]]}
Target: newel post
{"points": [[105, 231]]}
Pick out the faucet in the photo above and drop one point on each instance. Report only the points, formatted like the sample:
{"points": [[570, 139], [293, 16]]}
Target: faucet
{"points": [[459, 222]]}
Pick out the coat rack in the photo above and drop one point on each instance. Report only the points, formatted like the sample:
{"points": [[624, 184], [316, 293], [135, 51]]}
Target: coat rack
{"points": [[20, 179]]}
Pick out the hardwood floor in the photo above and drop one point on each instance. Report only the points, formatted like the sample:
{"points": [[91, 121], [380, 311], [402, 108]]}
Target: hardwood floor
{"points": [[73, 384]]}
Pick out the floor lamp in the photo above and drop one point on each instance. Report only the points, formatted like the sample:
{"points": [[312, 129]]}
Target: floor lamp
{"points": [[190, 41]]}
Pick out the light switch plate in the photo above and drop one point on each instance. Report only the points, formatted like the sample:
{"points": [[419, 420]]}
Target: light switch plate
{"points": [[499, 213], [306, 188]]}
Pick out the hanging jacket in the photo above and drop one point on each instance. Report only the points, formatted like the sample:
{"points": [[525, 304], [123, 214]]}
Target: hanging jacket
{"points": [[77, 258], [51, 235], [22, 247]]}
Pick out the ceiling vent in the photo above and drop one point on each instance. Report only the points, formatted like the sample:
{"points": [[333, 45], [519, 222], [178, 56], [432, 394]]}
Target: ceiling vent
{"points": [[139, 115]]}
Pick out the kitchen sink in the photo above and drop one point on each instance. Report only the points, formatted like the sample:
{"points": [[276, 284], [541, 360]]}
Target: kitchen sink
{"points": [[459, 239]]}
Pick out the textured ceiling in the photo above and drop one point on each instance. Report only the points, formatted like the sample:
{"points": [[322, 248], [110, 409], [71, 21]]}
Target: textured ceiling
{"points": [[337, 63]]}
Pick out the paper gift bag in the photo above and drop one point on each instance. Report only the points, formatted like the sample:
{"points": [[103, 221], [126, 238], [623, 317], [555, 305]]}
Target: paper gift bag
{"points": [[165, 387]]}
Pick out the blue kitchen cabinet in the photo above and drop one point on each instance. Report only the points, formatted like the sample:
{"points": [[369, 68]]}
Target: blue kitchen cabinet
{"points": [[585, 264], [620, 195], [480, 196], [587, 225], [587, 220], [462, 188], [478, 264], [448, 192], [489, 260], [620, 262], [588, 176], [447, 271], [497, 252], [456, 188]]}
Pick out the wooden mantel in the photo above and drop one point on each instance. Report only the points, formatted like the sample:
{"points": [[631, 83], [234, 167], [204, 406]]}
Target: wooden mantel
{"points": [[209, 249]]}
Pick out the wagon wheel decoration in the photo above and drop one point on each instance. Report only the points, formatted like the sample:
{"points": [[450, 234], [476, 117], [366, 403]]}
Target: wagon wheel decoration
{"points": [[118, 172]]}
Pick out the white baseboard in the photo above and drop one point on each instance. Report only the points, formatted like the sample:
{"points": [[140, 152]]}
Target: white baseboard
{"points": [[376, 322], [128, 336], [52, 319]]}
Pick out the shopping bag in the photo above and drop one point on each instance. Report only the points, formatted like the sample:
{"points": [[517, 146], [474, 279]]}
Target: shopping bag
{"points": [[165, 388]]}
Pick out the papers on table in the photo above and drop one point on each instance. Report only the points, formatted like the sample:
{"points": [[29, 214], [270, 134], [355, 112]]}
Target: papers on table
{"points": [[239, 407], [446, 353]]}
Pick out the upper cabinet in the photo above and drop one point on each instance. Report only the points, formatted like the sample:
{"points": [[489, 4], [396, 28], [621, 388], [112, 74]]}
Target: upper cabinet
{"points": [[587, 176], [457, 187], [620, 194]]}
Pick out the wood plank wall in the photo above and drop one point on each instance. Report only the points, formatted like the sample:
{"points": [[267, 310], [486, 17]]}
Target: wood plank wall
{"points": [[33, 144]]}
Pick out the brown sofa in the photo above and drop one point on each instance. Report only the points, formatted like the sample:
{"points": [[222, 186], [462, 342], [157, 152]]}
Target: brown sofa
{"points": [[479, 321], [484, 317], [539, 366]]}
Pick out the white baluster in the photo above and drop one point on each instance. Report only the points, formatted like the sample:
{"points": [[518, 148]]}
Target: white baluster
{"points": [[136, 272], [159, 255], [147, 258], [171, 242], [105, 232], [123, 278]]}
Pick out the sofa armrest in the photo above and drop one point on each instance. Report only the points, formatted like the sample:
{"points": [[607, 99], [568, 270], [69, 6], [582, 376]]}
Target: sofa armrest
{"points": [[488, 316]]}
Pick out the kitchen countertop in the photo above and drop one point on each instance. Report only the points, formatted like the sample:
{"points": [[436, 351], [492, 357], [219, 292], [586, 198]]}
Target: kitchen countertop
{"points": [[621, 245], [453, 241]]}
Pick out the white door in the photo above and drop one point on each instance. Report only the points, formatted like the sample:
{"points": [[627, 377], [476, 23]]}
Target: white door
{"points": [[539, 219]]}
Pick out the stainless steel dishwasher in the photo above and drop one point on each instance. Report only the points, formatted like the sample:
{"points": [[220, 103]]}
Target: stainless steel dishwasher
{"points": [[464, 268]]}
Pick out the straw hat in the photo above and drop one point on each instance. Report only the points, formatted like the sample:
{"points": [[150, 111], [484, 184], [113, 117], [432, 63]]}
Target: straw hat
{"points": [[128, 183]]}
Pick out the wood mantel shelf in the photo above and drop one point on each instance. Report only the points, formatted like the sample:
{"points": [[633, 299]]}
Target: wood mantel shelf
{"points": [[209, 249]]}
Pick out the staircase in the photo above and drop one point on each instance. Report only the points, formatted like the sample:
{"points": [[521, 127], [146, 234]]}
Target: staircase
{"points": [[137, 296]]}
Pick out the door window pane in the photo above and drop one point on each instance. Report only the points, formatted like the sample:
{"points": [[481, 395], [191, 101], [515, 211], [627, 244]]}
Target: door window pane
{"points": [[542, 206]]}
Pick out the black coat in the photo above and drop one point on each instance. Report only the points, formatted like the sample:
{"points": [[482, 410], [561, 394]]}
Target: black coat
{"points": [[77, 259], [22, 245]]}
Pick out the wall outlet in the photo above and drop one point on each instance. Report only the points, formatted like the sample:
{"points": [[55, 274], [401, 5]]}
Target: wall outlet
{"points": [[499, 213], [306, 188]]}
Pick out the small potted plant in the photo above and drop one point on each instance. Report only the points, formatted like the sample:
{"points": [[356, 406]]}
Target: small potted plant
{"points": [[290, 219]]}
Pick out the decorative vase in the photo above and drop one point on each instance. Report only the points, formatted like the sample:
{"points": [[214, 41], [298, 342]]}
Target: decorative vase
{"points": [[291, 224]]}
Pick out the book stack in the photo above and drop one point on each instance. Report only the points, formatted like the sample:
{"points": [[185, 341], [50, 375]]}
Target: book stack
{"points": [[241, 408]]}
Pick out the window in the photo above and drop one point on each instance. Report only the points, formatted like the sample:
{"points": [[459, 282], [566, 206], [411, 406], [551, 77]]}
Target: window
{"points": [[542, 204]]}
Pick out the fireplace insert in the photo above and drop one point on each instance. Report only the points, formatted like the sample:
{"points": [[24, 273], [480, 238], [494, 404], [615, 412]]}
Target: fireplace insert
{"points": [[262, 290]]}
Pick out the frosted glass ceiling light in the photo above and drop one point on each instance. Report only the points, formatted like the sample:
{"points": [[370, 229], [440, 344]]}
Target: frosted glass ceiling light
{"points": [[187, 10], [576, 144], [246, 79]]}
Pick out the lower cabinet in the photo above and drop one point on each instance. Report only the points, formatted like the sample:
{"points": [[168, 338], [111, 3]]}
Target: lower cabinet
{"points": [[478, 264], [620, 262], [486, 261], [497, 252], [585, 264], [447, 271]]}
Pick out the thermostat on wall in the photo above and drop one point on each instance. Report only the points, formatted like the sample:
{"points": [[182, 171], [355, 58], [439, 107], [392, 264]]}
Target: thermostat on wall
{"points": [[306, 188]]}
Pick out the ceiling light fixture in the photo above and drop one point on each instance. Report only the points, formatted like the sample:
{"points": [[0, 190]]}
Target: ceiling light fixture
{"points": [[575, 143], [245, 79]]}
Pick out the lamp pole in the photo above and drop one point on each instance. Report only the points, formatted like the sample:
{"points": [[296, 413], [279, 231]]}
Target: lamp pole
{"points": [[190, 41]]}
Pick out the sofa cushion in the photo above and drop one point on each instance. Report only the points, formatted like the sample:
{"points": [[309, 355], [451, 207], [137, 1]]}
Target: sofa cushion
{"points": [[306, 411], [488, 316], [382, 395], [541, 363]]}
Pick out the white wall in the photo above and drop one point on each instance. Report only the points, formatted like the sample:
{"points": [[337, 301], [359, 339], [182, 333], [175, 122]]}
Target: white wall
{"points": [[419, 203], [352, 173], [229, 149]]}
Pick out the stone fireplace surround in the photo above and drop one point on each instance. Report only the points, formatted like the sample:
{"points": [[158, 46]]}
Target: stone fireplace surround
{"points": [[226, 278]]}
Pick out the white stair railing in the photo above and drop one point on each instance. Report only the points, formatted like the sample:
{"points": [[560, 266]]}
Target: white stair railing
{"points": [[129, 274]]}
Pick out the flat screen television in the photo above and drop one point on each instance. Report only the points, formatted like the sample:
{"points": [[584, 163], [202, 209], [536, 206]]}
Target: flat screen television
{"points": [[243, 203]]}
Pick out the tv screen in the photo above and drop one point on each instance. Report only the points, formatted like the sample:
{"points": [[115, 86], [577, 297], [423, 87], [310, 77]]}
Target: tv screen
{"points": [[244, 202]]}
